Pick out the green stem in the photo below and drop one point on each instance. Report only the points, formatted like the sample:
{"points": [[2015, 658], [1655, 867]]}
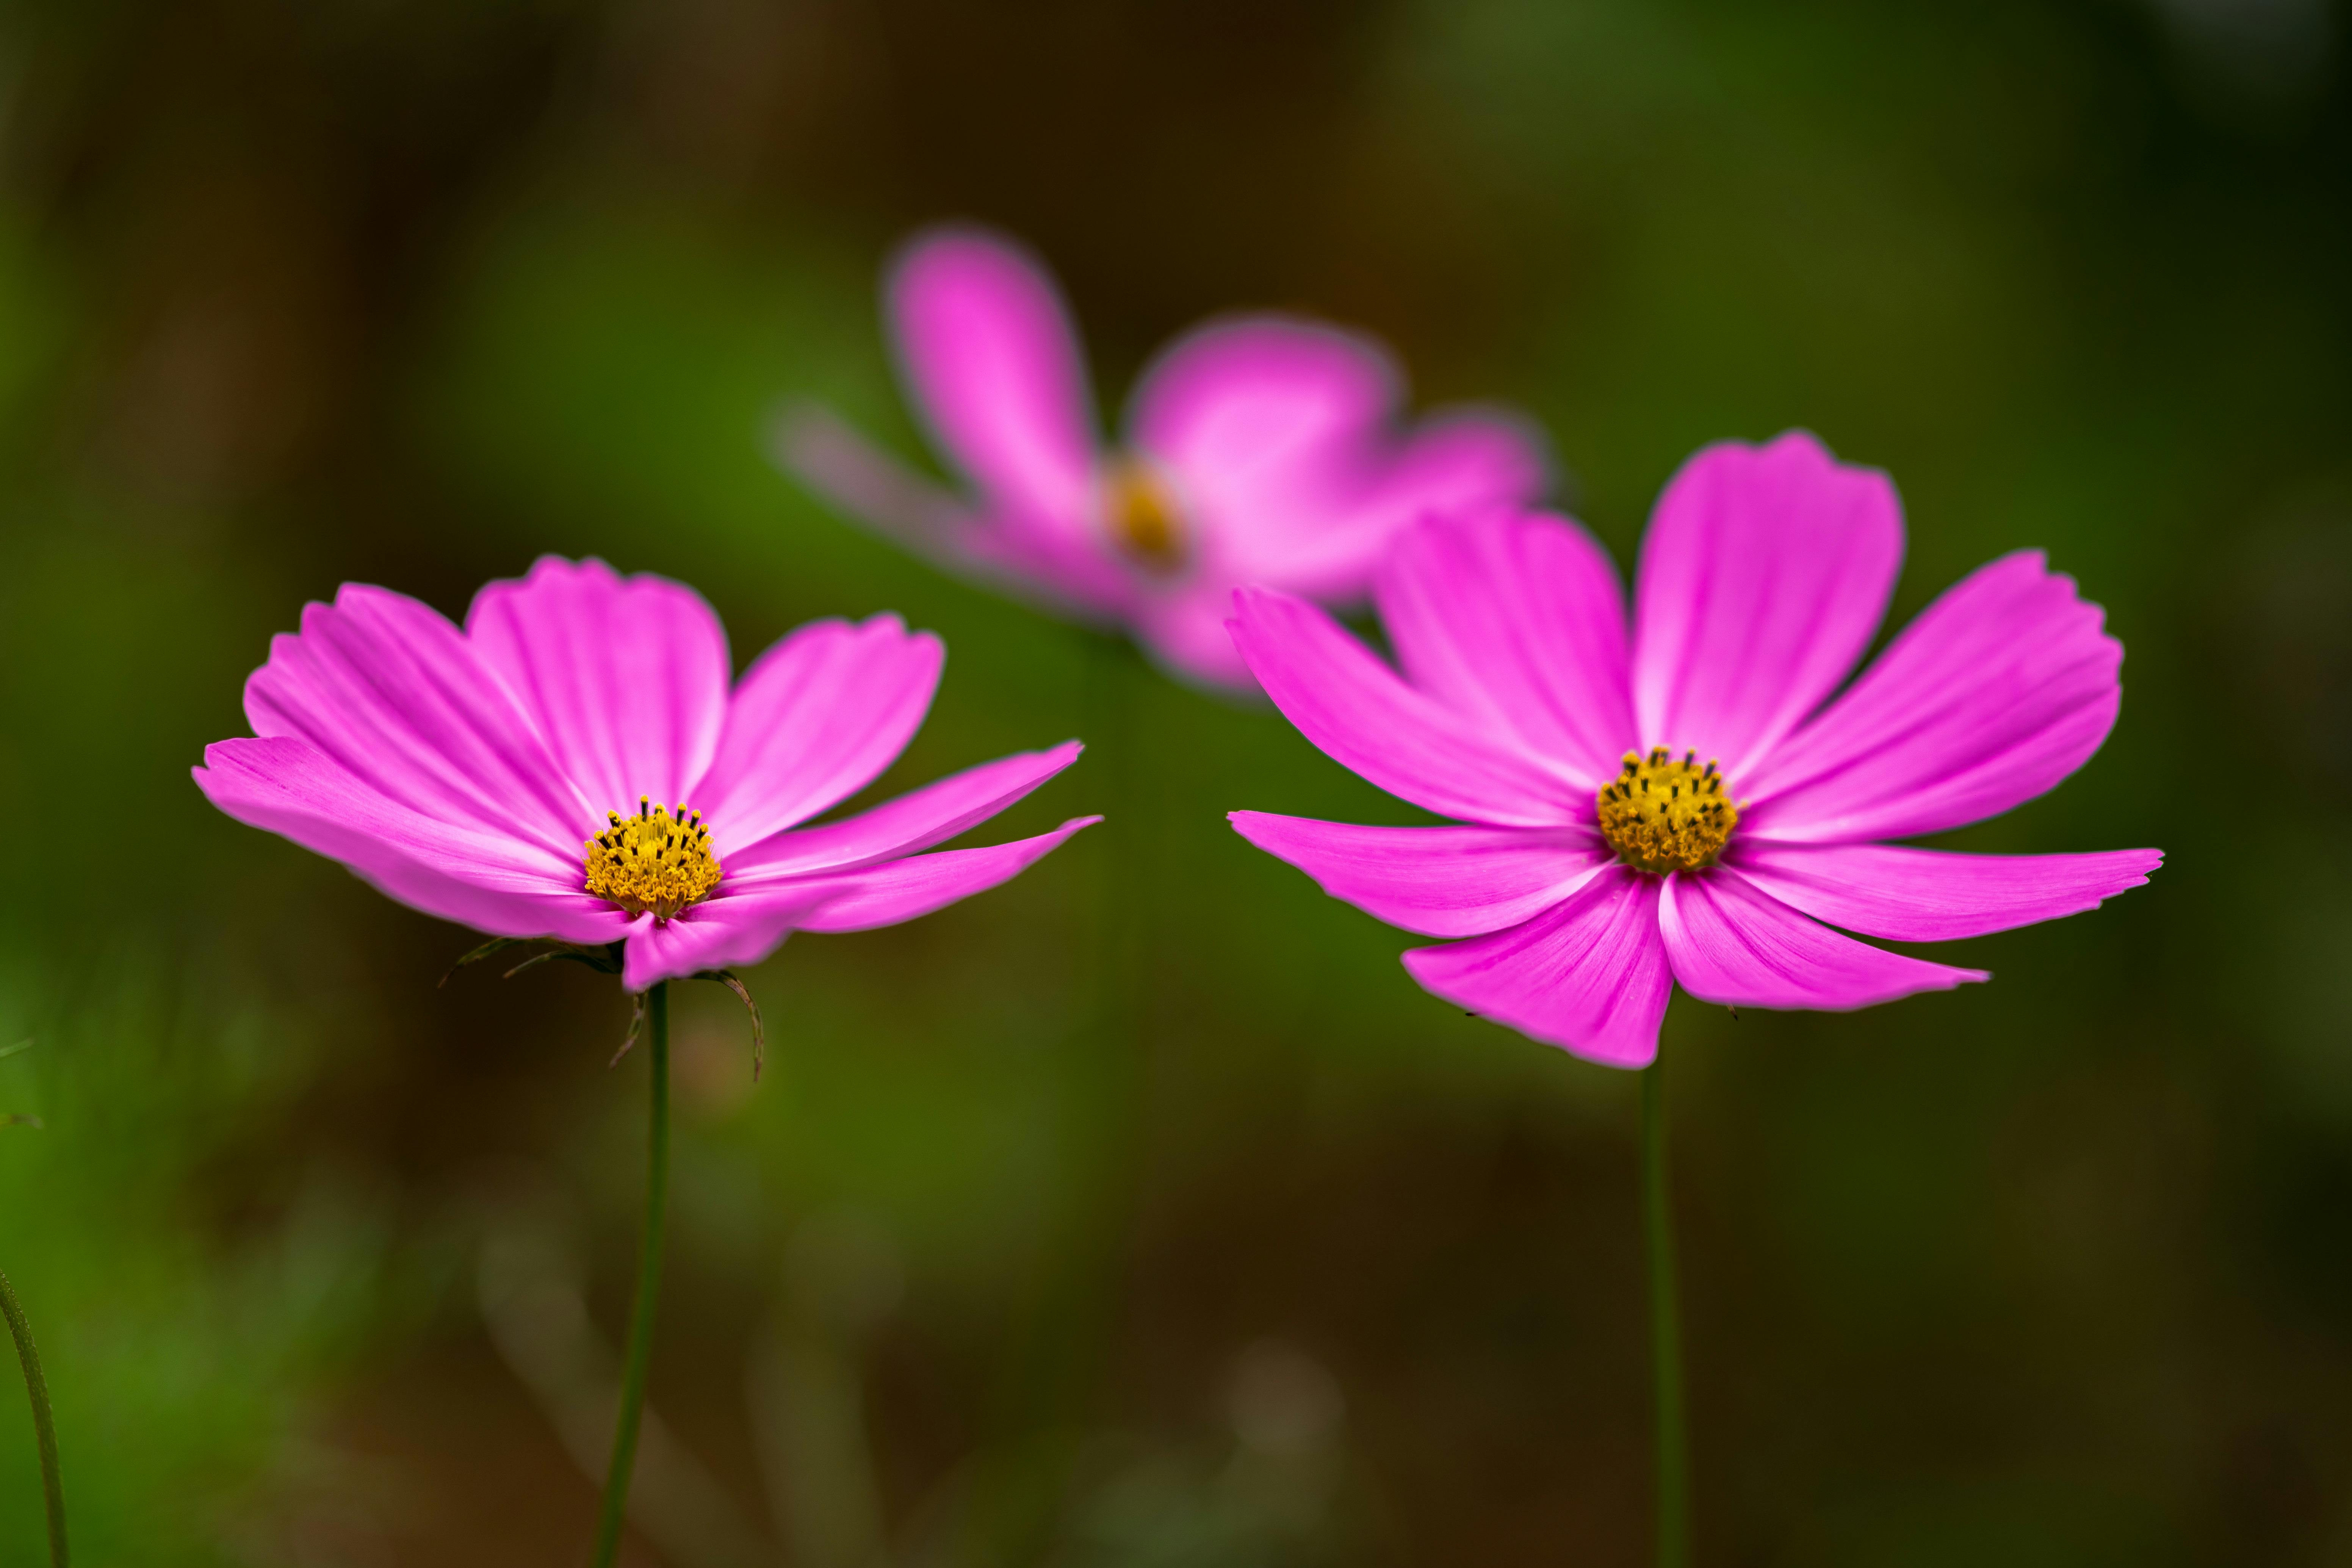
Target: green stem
{"points": [[44, 1429], [649, 1261], [1665, 1326]]}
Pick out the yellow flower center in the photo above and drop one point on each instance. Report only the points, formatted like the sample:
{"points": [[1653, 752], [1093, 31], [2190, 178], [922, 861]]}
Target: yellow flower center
{"points": [[1661, 815], [1140, 513], [652, 860]]}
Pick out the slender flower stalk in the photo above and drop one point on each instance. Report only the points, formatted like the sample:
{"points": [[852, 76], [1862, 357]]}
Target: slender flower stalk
{"points": [[44, 1426], [640, 1354], [1672, 1478]]}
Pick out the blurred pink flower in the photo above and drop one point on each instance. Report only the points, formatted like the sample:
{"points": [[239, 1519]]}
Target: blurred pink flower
{"points": [[1258, 450], [489, 775], [1689, 803]]}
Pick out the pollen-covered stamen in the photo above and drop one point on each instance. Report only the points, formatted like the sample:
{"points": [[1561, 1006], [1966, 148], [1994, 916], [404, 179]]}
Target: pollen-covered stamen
{"points": [[655, 860], [1664, 815], [1140, 514]]}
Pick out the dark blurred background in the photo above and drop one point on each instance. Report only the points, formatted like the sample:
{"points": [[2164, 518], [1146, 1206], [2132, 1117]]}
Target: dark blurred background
{"points": [[1143, 1213]]}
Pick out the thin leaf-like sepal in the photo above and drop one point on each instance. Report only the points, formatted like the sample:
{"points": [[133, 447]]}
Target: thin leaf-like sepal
{"points": [[495, 944], [587, 956], [726, 977], [636, 1027], [604, 960]]}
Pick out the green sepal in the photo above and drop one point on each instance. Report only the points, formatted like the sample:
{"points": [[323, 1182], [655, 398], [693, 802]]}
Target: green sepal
{"points": [[604, 960], [495, 944], [589, 957]]}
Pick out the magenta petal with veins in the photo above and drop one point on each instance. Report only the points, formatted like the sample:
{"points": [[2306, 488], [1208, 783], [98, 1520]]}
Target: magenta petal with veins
{"points": [[1260, 450], [470, 772], [1595, 864]]}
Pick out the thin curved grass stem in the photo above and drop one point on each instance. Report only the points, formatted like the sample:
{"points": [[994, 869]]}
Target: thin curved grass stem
{"points": [[44, 1429]]}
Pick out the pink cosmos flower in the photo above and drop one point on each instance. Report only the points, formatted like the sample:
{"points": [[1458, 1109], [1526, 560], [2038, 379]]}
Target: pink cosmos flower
{"points": [[1257, 451], [575, 765], [1691, 802]]}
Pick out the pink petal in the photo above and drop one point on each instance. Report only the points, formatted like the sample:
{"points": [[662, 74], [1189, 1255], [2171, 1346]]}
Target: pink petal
{"points": [[1183, 624], [719, 932], [389, 690], [1765, 573], [1185, 633], [1518, 624], [1364, 717], [494, 882], [627, 679], [1436, 881], [1068, 575], [1258, 414], [1730, 943], [1999, 689], [814, 721], [901, 891], [741, 926], [1280, 437], [989, 355], [1589, 976], [1932, 895], [1457, 463], [913, 822]]}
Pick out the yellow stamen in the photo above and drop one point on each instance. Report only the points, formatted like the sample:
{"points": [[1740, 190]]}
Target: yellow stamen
{"points": [[1142, 515], [652, 860], [1661, 815]]}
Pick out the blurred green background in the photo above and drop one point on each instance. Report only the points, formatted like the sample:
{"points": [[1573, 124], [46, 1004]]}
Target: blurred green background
{"points": [[1143, 1213]]}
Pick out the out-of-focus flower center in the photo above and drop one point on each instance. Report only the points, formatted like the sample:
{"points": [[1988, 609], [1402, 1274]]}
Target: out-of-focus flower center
{"points": [[1661, 815], [1140, 513], [652, 860]]}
